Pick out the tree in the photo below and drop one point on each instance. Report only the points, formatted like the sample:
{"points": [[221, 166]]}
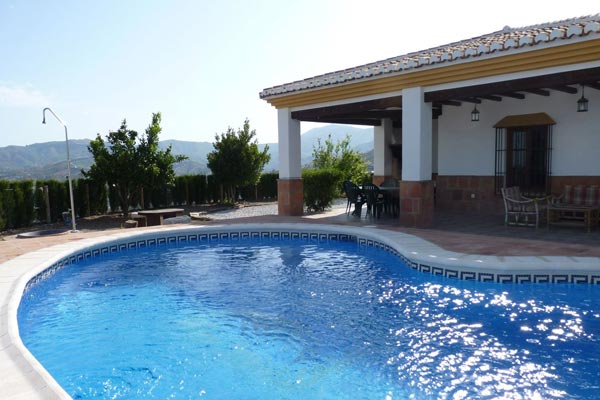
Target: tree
{"points": [[130, 162], [340, 156], [236, 160]]}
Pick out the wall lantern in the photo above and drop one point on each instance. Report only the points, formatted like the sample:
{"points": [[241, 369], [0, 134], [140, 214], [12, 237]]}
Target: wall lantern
{"points": [[475, 114], [582, 103]]}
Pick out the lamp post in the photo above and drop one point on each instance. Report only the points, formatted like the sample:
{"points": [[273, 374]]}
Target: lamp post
{"points": [[73, 224]]}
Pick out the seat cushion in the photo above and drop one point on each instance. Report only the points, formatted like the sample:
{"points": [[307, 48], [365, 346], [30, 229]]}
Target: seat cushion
{"points": [[568, 194], [578, 195], [592, 196]]}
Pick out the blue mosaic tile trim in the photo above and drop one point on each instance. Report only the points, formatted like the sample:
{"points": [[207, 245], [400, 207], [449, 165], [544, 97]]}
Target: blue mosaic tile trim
{"points": [[468, 276], [502, 277], [453, 272], [187, 238]]}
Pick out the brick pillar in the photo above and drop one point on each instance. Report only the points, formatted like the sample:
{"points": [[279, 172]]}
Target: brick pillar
{"points": [[416, 203], [290, 197]]}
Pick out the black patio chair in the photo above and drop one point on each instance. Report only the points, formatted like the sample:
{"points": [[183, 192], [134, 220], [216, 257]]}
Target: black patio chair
{"points": [[374, 198], [355, 196]]}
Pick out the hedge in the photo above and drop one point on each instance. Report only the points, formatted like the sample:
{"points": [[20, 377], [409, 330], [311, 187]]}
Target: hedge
{"points": [[23, 203], [321, 187], [265, 189], [16, 204]]}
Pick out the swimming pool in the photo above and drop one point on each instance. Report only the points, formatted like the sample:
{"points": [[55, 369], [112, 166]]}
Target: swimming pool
{"points": [[385, 329]]}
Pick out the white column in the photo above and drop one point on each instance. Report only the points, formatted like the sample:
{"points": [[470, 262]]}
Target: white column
{"points": [[289, 145], [382, 156], [416, 136]]}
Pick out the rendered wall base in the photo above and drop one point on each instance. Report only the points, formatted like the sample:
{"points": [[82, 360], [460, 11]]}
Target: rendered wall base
{"points": [[290, 197], [416, 203], [467, 193], [559, 182]]}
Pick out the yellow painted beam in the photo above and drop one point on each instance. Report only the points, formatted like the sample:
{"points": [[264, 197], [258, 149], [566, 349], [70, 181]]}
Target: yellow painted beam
{"points": [[527, 61]]}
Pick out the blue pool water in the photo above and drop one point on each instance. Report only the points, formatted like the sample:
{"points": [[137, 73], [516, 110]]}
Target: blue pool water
{"points": [[305, 320]]}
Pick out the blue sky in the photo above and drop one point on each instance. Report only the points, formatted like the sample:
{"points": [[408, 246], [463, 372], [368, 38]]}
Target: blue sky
{"points": [[202, 64]]}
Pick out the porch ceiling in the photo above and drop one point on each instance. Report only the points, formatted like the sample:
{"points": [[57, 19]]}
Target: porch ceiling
{"points": [[360, 113], [371, 112]]}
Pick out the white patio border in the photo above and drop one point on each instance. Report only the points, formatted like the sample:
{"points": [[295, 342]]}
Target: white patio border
{"points": [[23, 377]]}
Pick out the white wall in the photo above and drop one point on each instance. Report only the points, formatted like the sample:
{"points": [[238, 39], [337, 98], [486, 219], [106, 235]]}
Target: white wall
{"points": [[434, 146], [468, 148]]}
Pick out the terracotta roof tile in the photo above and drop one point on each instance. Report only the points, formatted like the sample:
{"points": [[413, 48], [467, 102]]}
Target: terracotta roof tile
{"points": [[506, 39]]}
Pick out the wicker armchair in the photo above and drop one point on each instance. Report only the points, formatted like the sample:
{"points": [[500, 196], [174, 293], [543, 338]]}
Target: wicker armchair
{"points": [[520, 210]]}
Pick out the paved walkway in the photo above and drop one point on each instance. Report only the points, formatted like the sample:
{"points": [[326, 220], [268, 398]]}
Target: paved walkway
{"points": [[470, 234]]}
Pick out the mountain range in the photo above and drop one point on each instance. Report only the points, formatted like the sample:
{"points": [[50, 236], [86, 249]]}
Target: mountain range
{"points": [[47, 160]]}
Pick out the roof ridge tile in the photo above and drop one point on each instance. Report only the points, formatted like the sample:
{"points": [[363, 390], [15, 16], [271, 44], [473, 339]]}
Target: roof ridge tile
{"points": [[502, 40]]}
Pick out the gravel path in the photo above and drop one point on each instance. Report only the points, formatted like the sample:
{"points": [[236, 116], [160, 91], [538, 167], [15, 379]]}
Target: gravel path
{"points": [[259, 210], [247, 211]]}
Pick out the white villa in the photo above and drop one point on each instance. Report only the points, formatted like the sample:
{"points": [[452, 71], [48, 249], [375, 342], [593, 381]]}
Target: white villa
{"points": [[455, 123]]}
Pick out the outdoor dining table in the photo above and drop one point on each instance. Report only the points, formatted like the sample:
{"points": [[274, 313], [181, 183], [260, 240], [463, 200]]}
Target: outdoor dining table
{"points": [[156, 217], [391, 201]]}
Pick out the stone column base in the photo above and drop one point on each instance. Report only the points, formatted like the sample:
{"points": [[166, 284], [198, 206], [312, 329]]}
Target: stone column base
{"points": [[416, 203], [290, 197]]}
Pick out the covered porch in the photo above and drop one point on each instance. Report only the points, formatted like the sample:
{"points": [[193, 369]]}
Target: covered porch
{"points": [[437, 119]]}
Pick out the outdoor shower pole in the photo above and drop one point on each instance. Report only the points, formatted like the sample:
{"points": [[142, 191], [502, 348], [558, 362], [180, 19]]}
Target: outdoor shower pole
{"points": [[73, 224]]}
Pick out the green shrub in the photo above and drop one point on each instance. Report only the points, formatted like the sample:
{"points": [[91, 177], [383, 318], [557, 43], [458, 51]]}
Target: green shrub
{"points": [[181, 193], [97, 197], [39, 202], [8, 198], [4, 211], [81, 193], [89, 196], [113, 198], [265, 189], [59, 198], [16, 209], [248, 192], [267, 186], [197, 190], [2, 220], [213, 192], [19, 214], [158, 196], [321, 187], [27, 206], [341, 157]]}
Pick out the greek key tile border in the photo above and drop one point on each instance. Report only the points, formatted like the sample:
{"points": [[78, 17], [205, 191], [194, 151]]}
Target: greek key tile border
{"points": [[199, 237], [504, 277], [188, 238]]}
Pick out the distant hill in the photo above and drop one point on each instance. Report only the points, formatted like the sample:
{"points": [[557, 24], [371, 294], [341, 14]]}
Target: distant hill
{"points": [[361, 138], [43, 160], [48, 160]]}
